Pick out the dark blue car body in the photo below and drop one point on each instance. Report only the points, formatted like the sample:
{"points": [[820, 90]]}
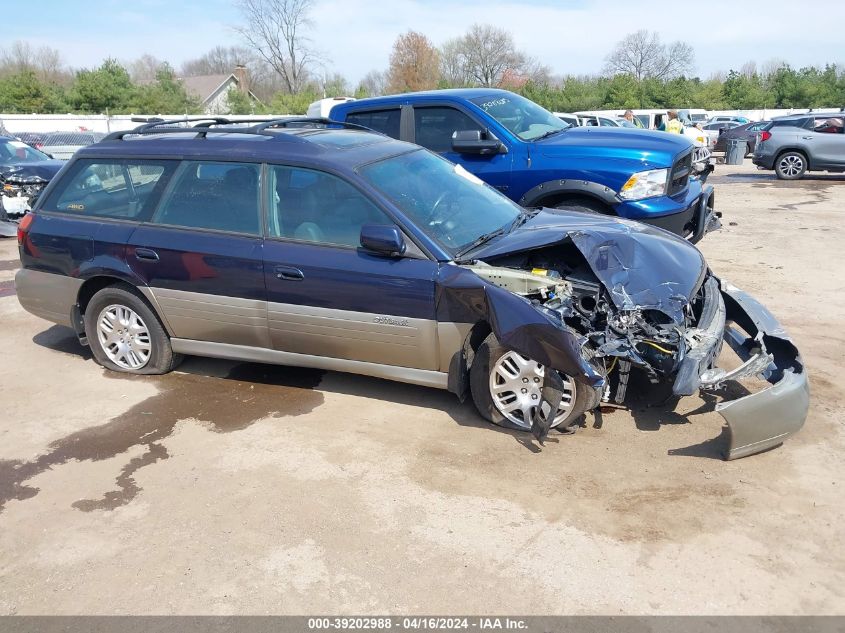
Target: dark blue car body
{"points": [[581, 164], [384, 299]]}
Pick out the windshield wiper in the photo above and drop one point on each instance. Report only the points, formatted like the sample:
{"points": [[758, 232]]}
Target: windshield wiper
{"points": [[521, 219], [550, 133], [481, 239]]}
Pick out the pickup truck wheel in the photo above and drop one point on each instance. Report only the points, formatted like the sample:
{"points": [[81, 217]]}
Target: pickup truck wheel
{"points": [[505, 388], [790, 165], [125, 335], [587, 206]]}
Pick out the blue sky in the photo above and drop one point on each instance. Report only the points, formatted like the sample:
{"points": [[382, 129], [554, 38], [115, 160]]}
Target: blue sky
{"points": [[355, 36]]}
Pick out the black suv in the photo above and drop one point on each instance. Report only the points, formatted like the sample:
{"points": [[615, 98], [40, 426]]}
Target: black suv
{"points": [[318, 244]]}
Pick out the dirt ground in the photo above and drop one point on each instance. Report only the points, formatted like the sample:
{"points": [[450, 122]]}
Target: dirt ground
{"points": [[231, 488]]}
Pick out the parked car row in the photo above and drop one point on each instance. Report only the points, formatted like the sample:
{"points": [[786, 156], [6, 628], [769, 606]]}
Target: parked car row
{"points": [[433, 238]]}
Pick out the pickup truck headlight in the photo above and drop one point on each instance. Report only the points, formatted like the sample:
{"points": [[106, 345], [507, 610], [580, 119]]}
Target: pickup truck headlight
{"points": [[645, 184]]}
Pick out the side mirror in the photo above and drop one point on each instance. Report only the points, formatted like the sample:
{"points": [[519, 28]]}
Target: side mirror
{"points": [[476, 142], [383, 239]]}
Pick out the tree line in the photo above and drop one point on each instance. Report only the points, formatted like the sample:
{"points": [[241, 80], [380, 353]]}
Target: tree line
{"points": [[287, 72]]}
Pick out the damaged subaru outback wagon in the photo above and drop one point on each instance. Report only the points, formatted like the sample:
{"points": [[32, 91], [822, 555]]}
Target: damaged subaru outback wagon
{"points": [[318, 244]]}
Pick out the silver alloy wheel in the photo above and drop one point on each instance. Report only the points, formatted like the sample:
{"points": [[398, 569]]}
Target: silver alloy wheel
{"points": [[124, 337], [791, 165], [515, 385]]}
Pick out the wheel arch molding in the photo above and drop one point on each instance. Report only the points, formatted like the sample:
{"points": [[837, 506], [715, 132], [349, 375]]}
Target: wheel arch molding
{"points": [[569, 186]]}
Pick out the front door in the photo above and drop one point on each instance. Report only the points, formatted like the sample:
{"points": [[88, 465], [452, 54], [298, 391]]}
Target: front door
{"points": [[201, 254], [433, 129], [826, 141], [326, 296]]}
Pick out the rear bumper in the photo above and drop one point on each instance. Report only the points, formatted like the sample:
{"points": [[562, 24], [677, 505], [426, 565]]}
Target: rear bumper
{"points": [[764, 161], [761, 420]]}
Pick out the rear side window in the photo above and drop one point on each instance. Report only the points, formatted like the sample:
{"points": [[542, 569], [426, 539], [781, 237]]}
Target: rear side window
{"points": [[384, 121], [214, 195], [110, 189], [433, 127], [802, 123], [828, 125]]}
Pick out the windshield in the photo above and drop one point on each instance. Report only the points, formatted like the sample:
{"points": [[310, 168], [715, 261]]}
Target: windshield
{"points": [[449, 204], [14, 152], [519, 115]]}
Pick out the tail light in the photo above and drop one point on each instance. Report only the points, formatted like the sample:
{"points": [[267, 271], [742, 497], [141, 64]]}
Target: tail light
{"points": [[23, 227], [765, 135]]}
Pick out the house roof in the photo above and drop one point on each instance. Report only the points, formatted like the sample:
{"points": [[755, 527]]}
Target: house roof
{"points": [[204, 86]]}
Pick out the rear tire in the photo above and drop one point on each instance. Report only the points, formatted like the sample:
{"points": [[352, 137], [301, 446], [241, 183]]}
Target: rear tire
{"points": [[791, 165], [488, 355], [587, 206], [125, 334]]}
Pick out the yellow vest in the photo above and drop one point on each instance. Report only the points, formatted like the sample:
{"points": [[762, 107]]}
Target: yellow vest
{"points": [[674, 126]]}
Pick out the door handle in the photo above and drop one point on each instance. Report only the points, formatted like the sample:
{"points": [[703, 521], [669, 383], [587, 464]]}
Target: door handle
{"points": [[807, 138], [146, 254], [288, 273]]}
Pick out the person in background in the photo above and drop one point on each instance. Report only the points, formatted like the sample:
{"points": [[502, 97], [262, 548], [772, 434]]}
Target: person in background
{"points": [[629, 116], [671, 124]]}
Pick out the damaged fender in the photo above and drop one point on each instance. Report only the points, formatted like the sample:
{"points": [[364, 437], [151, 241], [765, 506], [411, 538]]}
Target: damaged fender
{"points": [[463, 297]]}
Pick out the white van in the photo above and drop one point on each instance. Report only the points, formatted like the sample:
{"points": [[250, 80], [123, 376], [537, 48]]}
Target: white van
{"points": [[321, 109]]}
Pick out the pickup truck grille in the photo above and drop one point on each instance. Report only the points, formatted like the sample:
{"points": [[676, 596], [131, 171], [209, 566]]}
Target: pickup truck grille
{"points": [[679, 176]]}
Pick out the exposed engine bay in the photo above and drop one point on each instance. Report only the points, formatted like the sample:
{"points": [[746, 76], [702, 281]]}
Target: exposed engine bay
{"points": [[566, 289], [18, 194], [624, 310]]}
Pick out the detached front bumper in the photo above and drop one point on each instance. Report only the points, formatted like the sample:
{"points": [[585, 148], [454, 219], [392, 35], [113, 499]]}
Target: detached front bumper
{"points": [[761, 420]]}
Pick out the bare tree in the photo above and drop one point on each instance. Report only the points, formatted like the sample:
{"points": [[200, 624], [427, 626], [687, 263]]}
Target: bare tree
{"points": [[145, 68], [374, 84], [643, 56], [44, 61], [276, 31], [414, 63], [219, 60], [487, 56], [453, 63]]}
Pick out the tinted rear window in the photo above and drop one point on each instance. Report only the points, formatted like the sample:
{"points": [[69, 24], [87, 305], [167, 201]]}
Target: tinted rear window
{"points": [[384, 121], [110, 188], [214, 195], [788, 123]]}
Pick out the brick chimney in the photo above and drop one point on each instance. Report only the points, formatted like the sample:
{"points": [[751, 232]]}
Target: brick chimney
{"points": [[242, 77]]}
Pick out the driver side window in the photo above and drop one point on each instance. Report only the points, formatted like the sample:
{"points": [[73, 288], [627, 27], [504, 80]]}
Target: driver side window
{"points": [[433, 127], [313, 206]]}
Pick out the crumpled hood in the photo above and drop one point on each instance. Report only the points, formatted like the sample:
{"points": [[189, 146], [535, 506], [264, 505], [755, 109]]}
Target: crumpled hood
{"points": [[646, 147], [641, 266], [44, 170]]}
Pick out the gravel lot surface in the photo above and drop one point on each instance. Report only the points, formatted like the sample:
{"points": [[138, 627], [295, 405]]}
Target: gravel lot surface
{"points": [[231, 488]]}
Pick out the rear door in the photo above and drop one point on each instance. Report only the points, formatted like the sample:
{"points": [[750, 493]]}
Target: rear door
{"points": [[201, 254], [433, 128], [82, 227], [326, 296]]}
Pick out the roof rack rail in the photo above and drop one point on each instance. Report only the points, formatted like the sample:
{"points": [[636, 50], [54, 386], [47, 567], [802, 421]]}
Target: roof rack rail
{"points": [[204, 126], [304, 121]]}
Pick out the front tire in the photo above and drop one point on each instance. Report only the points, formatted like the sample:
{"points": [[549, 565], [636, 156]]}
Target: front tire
{"points": [[791, 165], [505, 388], [125, 334]]}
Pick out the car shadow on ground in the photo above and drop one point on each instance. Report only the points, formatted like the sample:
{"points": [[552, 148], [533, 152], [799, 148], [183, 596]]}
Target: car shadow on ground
{"points": [[769, 177], [650, 406]]}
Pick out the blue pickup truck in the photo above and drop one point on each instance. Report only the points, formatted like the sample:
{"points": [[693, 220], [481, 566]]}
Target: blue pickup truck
{"points": [[537, 160]]}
